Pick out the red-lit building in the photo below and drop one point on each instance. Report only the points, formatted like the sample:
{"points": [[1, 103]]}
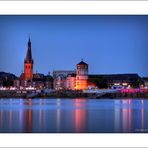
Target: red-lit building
{"points": [[30, 79], [78, 81], [82, 76], [72, 80], [28, 63]]}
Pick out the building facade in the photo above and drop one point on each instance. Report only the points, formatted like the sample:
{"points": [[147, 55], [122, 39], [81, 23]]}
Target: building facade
{"points": [[116, 80], [145, 82], [82, 76], [60, 78], [71, 81], [28, 63]]}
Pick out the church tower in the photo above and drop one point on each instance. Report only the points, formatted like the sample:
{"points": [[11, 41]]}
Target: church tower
{"points": [[82, 76], [28, 63]]}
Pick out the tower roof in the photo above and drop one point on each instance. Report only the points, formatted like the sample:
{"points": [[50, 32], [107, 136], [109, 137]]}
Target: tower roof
{"points": [[28, 58], [82, 63]]}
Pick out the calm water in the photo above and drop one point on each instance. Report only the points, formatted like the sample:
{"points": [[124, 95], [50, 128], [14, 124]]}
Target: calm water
{"points": [[73, 115]]}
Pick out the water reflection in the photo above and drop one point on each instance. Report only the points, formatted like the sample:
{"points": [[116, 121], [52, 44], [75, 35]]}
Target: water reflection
{"points": [[58, 115], [28, 116], [130, 115], [142, 114], [80, 115], [126, 107], [1, 119], [117, 116], [39, 120], [126, 119], [73, 115]]}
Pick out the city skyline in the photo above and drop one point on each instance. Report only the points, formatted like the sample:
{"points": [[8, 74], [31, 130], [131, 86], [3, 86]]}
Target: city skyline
{"points": [[109, 44]]}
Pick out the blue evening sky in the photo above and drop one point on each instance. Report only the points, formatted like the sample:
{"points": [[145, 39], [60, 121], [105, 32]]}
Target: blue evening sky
{"points": [[109, 44]]}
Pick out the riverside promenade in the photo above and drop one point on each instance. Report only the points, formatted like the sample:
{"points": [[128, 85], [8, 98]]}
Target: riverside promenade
{"points": [[100, 93]]}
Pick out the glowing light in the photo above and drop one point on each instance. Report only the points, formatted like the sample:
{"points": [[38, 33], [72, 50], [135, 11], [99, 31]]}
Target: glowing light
{"points": [[116, 83], [124, 84], [133, 90], [30, 88]]}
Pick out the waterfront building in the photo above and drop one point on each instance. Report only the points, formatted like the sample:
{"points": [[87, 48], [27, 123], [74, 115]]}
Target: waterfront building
{"points": [[28, 63], [82, 76], [42, 81], [29, 79], [60, 77], [38, 81], [116, 80], [145, 82], [71, 81], [16, 83]]}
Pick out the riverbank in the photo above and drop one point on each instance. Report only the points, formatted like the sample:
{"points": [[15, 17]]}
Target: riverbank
{"points": [[71, 94], [42, 94]]}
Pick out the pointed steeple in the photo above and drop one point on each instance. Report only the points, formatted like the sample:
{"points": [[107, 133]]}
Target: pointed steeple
{"points": [[28, 58], [29, 38]]}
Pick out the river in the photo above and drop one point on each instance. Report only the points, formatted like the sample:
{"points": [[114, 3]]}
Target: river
{"points": [[73, 115]]}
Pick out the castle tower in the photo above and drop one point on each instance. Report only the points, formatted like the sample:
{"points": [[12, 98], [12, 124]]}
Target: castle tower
{"points": [[28, 63], [82, 76]]}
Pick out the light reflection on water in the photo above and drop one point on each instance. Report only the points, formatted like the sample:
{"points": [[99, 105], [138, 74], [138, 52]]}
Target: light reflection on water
{"points": [[73, 115]]}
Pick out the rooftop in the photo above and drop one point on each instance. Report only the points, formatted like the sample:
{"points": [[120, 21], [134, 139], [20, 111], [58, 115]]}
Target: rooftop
{"points": [[82, 63]]}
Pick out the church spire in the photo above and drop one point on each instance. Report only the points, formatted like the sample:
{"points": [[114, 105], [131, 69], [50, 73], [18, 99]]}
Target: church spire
{"points": [[28, 58], [28, 63], [29, 38]]}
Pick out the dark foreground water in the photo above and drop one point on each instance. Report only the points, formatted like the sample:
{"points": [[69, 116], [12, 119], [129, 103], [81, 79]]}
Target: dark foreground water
{"points": [[73, 115]]}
